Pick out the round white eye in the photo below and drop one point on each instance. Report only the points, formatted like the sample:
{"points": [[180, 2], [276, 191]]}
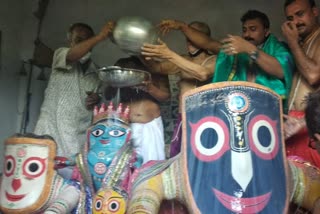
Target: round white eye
{"points": [[98, 204], [97, 132], [9, 165], [114, 206], [116, 133], [210, 139], [263, 137], [33, 167]]}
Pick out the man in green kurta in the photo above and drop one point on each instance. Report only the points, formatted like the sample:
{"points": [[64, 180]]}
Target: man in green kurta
{"points": [[257, 57]]}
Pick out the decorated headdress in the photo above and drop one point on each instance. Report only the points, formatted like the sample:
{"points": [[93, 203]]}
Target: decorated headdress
{"points": [[109, 112]]}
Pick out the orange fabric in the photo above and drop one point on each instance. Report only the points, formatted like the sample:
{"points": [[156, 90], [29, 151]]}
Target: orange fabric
{"points": [[297, 145]]}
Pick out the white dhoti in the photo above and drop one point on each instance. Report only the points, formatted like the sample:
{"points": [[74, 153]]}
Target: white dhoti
{"points": [[149, 139]]}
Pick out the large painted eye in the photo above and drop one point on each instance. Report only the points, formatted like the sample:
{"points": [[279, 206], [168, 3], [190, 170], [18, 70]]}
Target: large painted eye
{"points": [[97, 132], [116, 133], [263, 137], [209, 138], [34, 167], [98, 204], [114, 206], [10, 165]]}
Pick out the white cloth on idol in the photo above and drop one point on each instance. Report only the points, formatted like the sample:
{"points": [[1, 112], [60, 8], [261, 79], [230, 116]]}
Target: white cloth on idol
{"points": [[149, 139], [63, 115]]}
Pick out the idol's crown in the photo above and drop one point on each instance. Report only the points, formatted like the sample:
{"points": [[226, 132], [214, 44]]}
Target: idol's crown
{"points": [[104, 112]]}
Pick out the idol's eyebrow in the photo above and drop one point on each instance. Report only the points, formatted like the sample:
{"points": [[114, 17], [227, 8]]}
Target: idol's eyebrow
{"points": [[116, 197], [100, 196]]}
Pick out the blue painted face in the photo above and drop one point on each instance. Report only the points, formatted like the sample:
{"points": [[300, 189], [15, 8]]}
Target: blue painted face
{"points": [[233, 147], [108, 136], [105, 139]]}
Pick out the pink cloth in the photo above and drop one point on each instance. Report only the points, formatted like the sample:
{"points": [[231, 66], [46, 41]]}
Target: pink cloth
{"points": [[298, 145], [76, 175], [175, 145]]}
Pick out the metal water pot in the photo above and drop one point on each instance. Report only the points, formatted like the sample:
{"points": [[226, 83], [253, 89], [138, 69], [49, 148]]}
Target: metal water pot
{"points": [[131, 32], [122, 77]]}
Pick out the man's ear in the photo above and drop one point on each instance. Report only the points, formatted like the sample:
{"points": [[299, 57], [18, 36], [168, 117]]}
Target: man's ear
{"points": [[69, 37], [266, 32], [315, 11], [317, 136]]}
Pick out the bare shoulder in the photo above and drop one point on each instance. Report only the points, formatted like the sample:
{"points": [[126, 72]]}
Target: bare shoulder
{"points": [[210, 62], [186, 56], [211, 58]]}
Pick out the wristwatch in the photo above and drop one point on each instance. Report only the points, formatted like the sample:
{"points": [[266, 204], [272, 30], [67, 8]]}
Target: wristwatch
{"points": [[254, 55]]}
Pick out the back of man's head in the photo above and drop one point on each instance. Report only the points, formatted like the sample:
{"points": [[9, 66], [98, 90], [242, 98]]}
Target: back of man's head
{"points": [[255, 14], [201, 26], [312, 3], [312, 113], [81, 26], [130, 62]]}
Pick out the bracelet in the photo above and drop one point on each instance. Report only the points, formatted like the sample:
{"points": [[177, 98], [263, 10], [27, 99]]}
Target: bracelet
{"points": [[254, 55]]}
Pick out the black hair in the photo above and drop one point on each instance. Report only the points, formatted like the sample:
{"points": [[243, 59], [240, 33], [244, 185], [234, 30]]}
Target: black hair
{"points": [[255, 14], [80, 25], [32, 135], [312, 112], [312, 3], [129, 94], [201, 26], [131, 62]]}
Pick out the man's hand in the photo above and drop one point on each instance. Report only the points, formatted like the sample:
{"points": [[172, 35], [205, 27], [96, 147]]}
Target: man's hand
{"points": [[145, 86], [317, 137], [290, 32], [169, 24], [292, 125], [235, 44], [106, 30], [91, 100], [158, 51]]}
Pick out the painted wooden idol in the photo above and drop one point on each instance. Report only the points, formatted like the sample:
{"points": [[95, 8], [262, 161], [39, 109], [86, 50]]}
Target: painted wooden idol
{"points": [[29, 182]]}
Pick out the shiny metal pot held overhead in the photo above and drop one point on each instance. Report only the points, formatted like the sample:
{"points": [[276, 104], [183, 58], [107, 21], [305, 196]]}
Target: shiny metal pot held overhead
{"points": [[122, 77], [131, 32]]}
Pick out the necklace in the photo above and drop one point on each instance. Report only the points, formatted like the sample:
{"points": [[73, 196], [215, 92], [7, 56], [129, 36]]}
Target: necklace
{"points": [[196, 53]]}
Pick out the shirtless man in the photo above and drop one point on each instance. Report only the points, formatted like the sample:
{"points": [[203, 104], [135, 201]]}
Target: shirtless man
{"points": [[302, 33], [145, 116], [193, 70]]}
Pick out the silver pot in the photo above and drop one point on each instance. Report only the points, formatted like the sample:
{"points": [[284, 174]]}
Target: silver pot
{"points": [[122, 77], [131, 32]]}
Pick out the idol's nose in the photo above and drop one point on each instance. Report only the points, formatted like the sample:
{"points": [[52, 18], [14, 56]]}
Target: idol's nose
{"points": [[16, 184], [241, 168]]}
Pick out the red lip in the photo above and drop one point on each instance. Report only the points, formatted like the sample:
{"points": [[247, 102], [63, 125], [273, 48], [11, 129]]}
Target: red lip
{"points": [[14, 197], [243, 205], [104, 141]]}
